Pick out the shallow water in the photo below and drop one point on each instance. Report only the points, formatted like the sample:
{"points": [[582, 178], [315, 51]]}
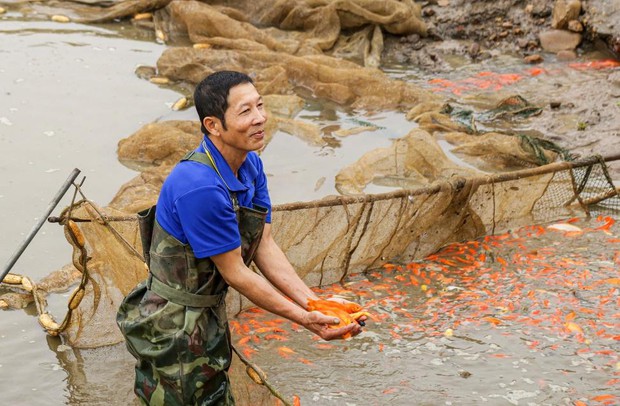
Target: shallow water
{"points": [[525, 318], [69, 95]]}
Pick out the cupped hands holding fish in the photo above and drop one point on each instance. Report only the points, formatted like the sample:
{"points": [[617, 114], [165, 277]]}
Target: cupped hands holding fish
{"points": [[334, 318]]}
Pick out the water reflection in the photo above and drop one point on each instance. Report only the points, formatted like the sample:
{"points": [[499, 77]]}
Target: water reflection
{"points": [[62, 106], [96, 376]]}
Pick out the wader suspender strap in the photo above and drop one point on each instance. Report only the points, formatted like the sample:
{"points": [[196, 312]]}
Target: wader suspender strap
{"points": [[181, 297], [207, 159]]}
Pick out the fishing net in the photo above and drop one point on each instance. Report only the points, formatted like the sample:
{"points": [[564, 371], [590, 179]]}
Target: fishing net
{"points": [[299, 27], [327, 50], [328, 239], [325, 240]]}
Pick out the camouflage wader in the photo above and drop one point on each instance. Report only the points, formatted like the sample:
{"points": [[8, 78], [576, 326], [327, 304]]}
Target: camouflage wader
{"points": [[175, 322]]}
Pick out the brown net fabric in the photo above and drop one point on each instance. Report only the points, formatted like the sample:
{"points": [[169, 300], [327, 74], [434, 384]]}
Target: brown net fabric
{"points": [[326, 240], [326, 77], [113, 268], [328, 50], [301, 27]]}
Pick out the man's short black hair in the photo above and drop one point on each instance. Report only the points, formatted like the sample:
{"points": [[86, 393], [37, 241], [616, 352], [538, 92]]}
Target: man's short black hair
{"points": [[211, 94]]}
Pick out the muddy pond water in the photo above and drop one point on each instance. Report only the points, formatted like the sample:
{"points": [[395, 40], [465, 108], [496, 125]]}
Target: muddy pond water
{"points": [[69, 94]]}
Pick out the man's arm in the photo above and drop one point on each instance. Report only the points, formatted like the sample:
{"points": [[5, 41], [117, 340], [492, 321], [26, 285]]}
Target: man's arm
{"points": [[260, 292], [273, 263]]}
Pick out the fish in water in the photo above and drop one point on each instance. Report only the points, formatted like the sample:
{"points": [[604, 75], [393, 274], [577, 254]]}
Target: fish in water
{"points": [[564, 227], [347, 313]]}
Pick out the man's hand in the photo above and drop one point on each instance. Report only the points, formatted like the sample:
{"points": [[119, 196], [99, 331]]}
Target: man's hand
{"points": [[319, 324]]}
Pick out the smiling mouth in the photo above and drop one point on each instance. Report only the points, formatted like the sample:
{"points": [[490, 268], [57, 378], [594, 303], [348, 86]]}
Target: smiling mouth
{"points": [[258, 134]]}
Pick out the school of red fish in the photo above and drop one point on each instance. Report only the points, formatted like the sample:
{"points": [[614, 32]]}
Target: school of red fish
{"points": [[544, 296], [494, 81]]}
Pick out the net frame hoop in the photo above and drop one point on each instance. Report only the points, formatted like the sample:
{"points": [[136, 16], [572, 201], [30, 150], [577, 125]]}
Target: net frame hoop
{"points": [[456, 183]]}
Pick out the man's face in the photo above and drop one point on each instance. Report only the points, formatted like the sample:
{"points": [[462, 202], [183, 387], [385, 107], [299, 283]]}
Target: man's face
{"points": [[245, 119]]}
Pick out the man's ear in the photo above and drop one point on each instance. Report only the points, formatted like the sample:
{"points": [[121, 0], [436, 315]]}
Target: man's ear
{"points": [[212, 125]]}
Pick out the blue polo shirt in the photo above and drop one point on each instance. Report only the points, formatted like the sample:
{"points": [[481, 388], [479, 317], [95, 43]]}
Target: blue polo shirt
{"points": [[195, 207]]}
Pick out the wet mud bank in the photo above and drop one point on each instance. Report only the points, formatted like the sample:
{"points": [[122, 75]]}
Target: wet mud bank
{"points": [[516, 26], [580, 115], [333, 53]]}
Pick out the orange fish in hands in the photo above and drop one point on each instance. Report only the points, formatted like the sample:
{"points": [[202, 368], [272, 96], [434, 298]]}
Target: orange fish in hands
{"points": [[347, 313]]}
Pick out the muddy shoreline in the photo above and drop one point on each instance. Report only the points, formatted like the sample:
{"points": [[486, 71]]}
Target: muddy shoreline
{"points": [[584, 119]]}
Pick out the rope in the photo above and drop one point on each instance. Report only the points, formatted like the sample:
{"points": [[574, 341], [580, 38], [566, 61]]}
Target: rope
{"points": [[255, 372], [438, 186], [109, 226], [77, 240], [402, 193]]}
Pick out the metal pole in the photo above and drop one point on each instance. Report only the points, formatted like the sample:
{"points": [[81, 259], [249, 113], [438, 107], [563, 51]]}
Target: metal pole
{"points": [[61, 192]]}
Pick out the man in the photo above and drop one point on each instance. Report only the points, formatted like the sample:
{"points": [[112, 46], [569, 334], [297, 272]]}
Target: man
{"points": [[213, 218]]}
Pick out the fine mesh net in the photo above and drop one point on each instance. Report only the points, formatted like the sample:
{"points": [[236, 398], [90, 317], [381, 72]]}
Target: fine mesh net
{"points": [[326, 240], [113, 268], [330, 51]]}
